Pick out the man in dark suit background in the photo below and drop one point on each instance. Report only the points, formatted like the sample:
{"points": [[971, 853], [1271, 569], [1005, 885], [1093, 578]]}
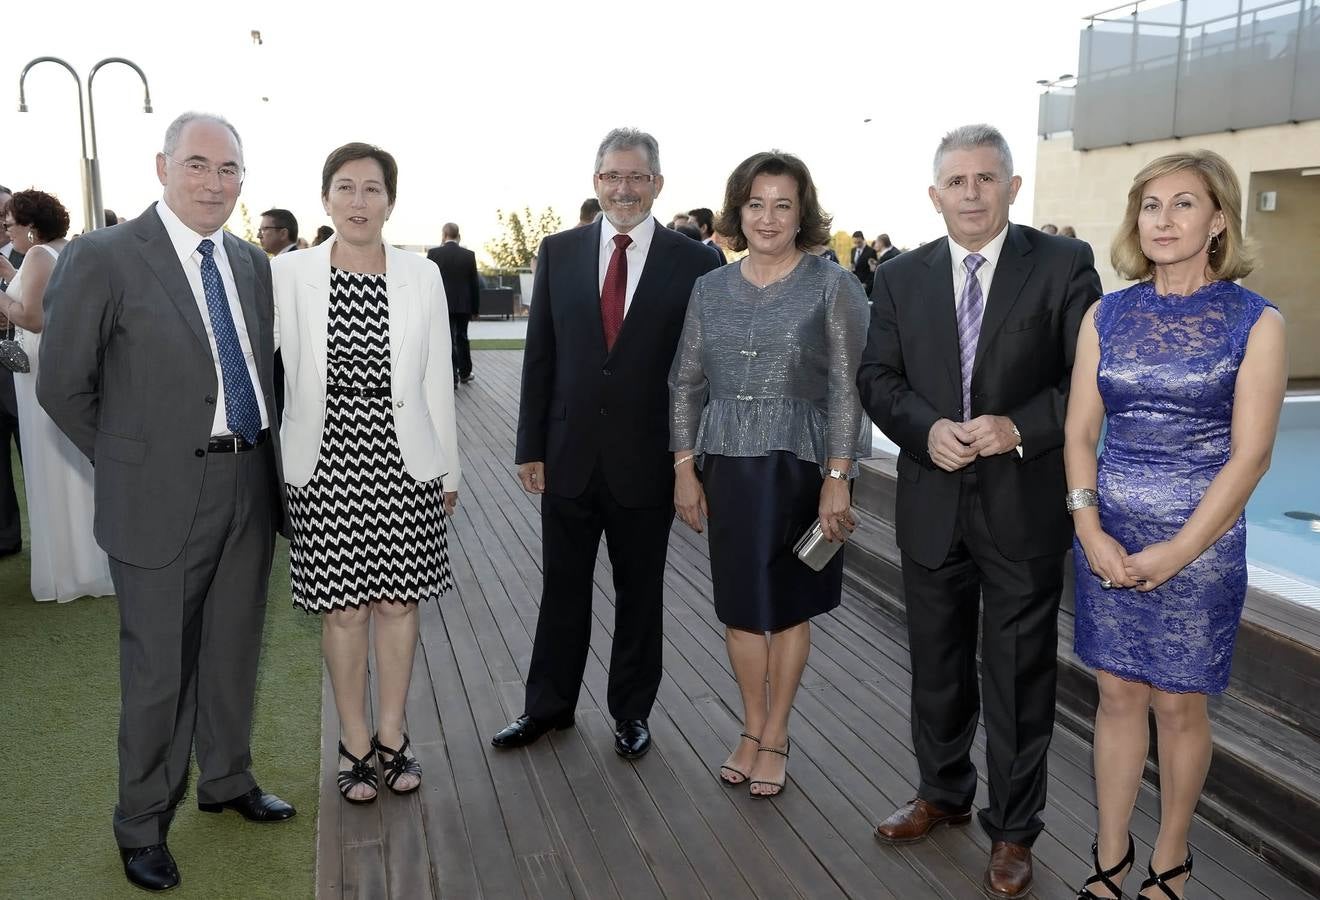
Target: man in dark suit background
{"points": [[967, 368], [156, 361], [593, 439], [278, 234], [458, 271], [862, 255], [11, 533], [704, 220]]}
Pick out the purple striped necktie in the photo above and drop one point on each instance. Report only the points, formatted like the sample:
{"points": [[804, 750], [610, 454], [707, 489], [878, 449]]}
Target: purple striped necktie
{"points": [[970, 308]]}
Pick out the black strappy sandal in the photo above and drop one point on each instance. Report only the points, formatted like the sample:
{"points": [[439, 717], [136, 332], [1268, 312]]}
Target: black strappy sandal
{"points": [[729, 768], [362, 772], [1104, 876], [397, 765], [1158, 880], [774, 784]]}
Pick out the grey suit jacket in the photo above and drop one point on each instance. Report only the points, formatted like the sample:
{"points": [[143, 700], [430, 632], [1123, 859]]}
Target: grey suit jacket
{"points": [[126, 372]]}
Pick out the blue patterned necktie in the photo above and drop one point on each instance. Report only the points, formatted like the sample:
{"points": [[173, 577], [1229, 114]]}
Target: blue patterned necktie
{"points": [[969, 327], [241, 413]]}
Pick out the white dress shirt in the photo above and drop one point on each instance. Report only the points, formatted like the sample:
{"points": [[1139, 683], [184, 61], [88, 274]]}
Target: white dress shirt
{"points": [[636, 254], [985, 274], [185, 242]]}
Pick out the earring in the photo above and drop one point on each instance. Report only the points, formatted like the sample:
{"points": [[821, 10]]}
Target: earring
{"points": [[32, 238], [1213, 244]]}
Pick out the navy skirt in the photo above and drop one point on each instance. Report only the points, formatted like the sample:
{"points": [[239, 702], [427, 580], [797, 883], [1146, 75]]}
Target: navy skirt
{"points": [[759, 506]]}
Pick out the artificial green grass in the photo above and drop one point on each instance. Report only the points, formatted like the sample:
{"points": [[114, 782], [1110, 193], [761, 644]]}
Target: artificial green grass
{"points": [[59, 711], [498, 344]]}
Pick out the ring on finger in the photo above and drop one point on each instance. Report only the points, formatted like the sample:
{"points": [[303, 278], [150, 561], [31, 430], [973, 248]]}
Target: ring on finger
{"points": [[1106, 583]]}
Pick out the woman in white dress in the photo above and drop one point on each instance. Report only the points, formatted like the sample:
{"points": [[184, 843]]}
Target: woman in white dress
{"points": [[66, 561]]}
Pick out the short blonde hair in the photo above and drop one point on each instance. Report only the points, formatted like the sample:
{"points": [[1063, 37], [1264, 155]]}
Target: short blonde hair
{"points": [[1230, 259]]}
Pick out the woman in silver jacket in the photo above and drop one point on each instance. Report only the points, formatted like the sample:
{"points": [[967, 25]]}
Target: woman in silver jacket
{"points": [[764, 400]]}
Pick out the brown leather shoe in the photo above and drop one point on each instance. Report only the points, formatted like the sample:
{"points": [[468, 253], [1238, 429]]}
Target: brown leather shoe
{"points": [[1009, 873], [914, 820]]}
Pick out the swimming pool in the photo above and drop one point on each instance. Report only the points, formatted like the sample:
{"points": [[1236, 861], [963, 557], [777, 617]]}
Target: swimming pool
{"points": [[1283, 515]]}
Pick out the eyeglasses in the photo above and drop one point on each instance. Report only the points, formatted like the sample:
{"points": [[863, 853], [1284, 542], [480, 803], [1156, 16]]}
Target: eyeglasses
{"points": [[264, 228], [614, 179], [7, 225], [229, 173], [984, 180]]}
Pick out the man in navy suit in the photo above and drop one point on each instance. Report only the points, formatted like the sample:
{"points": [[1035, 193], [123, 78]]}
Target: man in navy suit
{"points": [[593, 438], [458, 271]]}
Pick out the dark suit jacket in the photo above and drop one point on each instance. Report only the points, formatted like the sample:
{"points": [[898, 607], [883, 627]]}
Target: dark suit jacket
{"points": [[127, 374], [458, 271], [718, 250], [8, 402], [889, 254], [910, 378], [580, 404], [860, 267]]}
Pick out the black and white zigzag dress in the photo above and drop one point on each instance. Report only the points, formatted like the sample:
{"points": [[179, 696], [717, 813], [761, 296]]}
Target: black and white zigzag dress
{"points": [[363, 528]]}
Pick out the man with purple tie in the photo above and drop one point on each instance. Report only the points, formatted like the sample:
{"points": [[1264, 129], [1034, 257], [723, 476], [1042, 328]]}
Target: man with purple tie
{"points": [[593, 439], [966, 368]]}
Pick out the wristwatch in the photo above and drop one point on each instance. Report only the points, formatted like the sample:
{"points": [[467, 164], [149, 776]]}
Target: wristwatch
{"points": [[837, 474]]}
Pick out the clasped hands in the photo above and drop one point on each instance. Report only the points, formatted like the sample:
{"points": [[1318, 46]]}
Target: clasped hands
{"points": [[952, 445], [1144, 570]]}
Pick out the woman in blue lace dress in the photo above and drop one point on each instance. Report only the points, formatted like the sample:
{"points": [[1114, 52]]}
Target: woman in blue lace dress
{"points": [[763, 394], [1186, 369]]}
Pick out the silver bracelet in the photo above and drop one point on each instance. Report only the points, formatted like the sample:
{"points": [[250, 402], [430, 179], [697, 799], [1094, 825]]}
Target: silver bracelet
{"points": [[1080, 498]]}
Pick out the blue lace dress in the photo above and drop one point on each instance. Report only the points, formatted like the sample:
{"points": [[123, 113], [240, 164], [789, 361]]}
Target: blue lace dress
{"points": [[1168, 366]]}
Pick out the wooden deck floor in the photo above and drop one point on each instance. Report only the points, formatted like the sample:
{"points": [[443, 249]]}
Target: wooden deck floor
{"points": [[568, 818]]}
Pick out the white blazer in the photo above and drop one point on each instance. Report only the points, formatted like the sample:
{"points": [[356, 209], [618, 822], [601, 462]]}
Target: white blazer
{"points": [[421, 361]]}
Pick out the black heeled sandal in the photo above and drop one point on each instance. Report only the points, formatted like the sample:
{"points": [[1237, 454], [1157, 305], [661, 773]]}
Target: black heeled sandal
{"points": [[362, 772], [397, 765], [729, 768], [774, 784], [1158, 880], [1104, 876]]}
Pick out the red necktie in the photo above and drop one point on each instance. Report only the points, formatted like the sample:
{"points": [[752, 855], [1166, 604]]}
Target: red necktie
{"points": [[614, 290]]}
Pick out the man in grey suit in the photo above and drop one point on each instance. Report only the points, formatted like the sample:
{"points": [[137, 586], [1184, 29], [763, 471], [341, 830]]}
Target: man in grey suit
{"points": [[157, 363]]}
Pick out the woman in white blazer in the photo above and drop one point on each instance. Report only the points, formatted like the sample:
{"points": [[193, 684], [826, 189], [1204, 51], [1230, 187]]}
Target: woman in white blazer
{"points": [[370, 453]]}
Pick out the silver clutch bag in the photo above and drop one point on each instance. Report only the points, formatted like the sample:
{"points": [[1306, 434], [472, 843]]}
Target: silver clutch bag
{"points": [[813, 549]]}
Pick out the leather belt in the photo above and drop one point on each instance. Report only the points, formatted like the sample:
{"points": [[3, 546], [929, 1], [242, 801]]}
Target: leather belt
{"points": [[234, 443], [350, 390]]}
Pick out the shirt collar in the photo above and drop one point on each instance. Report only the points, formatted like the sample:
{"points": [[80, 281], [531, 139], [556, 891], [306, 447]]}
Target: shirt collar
{"points": [[293, 246], [184, 239], [641, 234], [990, 251]]}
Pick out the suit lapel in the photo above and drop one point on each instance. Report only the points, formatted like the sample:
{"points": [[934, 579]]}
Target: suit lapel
{"points": [[943, 315], [158, 252], [1012, 271], [588, 283], [400, 294], [316, 312]]}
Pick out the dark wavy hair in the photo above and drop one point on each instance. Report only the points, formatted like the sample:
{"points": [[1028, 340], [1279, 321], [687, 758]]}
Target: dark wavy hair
{"points": [[814, 223], [41, 212], [346, 154]]}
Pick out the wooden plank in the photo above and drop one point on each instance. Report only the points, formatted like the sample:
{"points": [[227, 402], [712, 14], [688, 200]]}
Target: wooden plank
{"points": [[568, 818]]}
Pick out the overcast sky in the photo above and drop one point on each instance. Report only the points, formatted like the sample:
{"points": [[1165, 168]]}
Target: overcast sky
{"points": [[501, 104]]}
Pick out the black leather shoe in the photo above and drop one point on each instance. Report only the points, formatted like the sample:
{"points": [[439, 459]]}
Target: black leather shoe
{"points": [[255, 806], [150, 868], [10, 551], [524, 730], [632, 738]]}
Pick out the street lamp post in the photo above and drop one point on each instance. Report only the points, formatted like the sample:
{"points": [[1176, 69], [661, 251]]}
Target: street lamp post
{"points": [[98, 207], [93, 209]]}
